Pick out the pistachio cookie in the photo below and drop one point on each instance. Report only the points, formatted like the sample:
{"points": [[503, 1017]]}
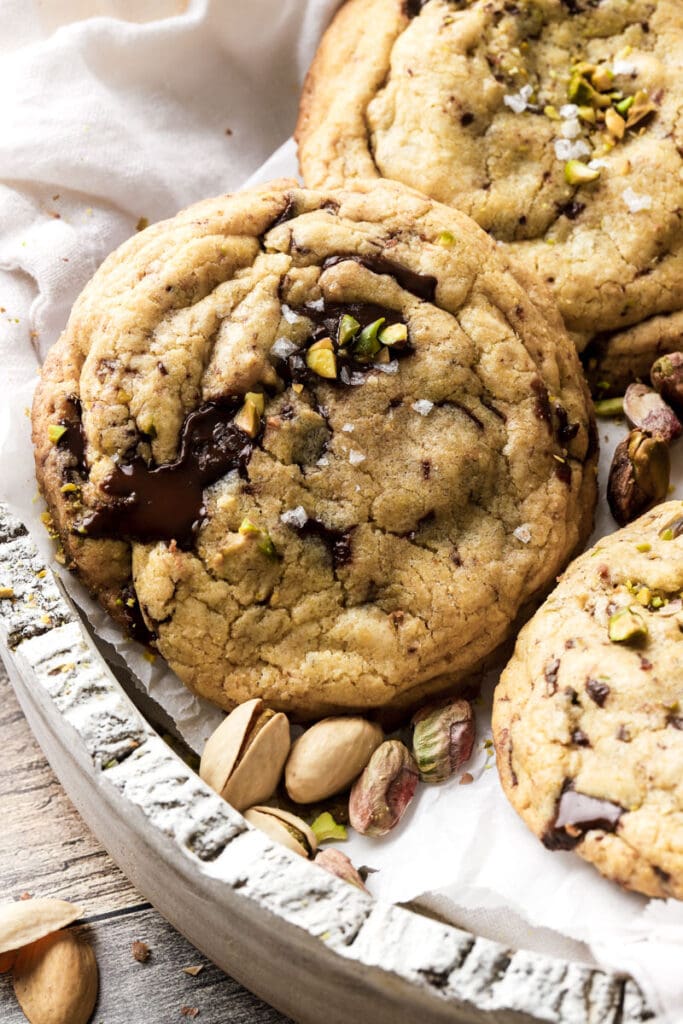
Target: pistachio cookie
{"points": [[556, 125], [588, 720], [322, 447]]}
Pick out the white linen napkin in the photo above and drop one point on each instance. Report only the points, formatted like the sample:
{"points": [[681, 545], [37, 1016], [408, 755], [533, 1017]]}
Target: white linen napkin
{"points": [[107, 121]]}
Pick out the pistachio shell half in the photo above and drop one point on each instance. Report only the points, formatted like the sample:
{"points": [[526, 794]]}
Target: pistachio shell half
{"points": [[243, 759], [284, 828], [337, 863], [28, 920], [329, 756], [55, 980]]}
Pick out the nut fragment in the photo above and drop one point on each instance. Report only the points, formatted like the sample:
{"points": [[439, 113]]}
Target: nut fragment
{"points": [[140, 951], [626, 626], [666, 375], [55, 980], [28, 920], [443, 739], [243, 759], [284, 828], [638, 477], [329, 756], [380, 797], [325, 828], [647, 410], [337, 863], [578, 173], [321, 359]]}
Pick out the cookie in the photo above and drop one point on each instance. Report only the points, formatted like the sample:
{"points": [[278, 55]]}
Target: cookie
{"points": [[554, 124], [323, 447], [588, 720]]}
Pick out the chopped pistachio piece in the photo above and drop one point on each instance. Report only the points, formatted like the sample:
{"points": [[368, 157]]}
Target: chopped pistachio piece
{"points": [[256, 398], [588, 114], [383, 356], [322, 361], [367, 344], [642, 106], [325, 827], [248, 419], [447, 239], [55, 432], [577, 173], [551, 112], [607, 407], [602, 78], [644, 547], [265, 543], [667, 534], [266, 546], [324, 345], [614, 123], [623, 106], [394, 334], [248, 528], [348, 329], [69, 488], [626, 625]]}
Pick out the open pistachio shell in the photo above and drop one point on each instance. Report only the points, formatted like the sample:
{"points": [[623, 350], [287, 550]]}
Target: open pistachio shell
{"points": [[329, 756], [28, 920], [284, 828], [646, 409], [244, 758], [55, 980]]}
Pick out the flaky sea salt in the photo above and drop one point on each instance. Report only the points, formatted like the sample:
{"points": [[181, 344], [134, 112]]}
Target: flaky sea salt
{"points": [[295, 517], [356, 457], [623, 67], [569, 110], [323, 461], [391, 367], [522, 533], [597, 164], [567, 149], [519, 101], [636, 202], [348, 428], [283, 348], [290, 316], [423, 406], [317, 304]]}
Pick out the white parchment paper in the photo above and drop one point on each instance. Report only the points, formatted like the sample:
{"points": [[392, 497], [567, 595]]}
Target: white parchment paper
{"points": [[105, 121]]}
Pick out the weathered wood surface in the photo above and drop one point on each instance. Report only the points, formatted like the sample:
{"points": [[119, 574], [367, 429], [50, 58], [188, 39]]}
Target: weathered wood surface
{"points": [[46, 850]]}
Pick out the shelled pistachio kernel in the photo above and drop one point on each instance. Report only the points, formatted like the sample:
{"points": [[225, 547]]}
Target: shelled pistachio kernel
{"points": [[395, 335], [56, 432], [320, 358], [347, 330], [614, 123], [284, 828], [244, 757], [248, 418], [367, 343], [262, 538], [626, 626], [578, 173], [326, 828], [608, 407]]}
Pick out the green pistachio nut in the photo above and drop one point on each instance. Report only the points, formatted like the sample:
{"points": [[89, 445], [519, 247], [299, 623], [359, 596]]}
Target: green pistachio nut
{"points": [[367, 344], [348, 329], [628, 625]]}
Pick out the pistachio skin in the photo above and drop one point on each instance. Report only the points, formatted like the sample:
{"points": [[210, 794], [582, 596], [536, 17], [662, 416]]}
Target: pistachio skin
{"points": [[380, 797], [443, 739], [646, 410], [244, 758], [666, 375], [329, 756], [285, 828], [638, 477], [337, 863]]}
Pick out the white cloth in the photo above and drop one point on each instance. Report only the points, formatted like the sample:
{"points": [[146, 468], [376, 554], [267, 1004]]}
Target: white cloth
{"points": [[104, 122]]}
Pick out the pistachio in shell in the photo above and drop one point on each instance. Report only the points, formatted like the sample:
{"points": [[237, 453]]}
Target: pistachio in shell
{"points": [[337, 863], [380, 797], [55, 980], [243, 759], [27, 921], [638, 477], [443, 739], [284, 828], [645, 409], [329, 756], [666, 375]]}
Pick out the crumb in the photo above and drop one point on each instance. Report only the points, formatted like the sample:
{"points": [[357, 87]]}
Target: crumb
{"points": [[140, 951], [466, 778], [26, 896], [142, 223], [228, 131], [189, 1011], [193, 971]]}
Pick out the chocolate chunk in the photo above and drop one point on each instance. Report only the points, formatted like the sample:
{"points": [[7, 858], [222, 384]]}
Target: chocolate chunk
{"points": [[73, 438], [550, 670], [571, 210], [137, 627], [338, 542], [597, 691], [676, 721], [166, 502], [580, 813], [421, 285], [580, 739], [542, 404]]}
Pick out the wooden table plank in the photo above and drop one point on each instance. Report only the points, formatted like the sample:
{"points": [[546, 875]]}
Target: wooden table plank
{"points": [[46, 850]]}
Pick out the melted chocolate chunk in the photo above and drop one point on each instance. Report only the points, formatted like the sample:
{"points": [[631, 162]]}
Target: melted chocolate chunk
{"points": [[580, 739], [338, 542], [571, 210], [421, 285], [597, 691], [165, 502], [137, 627], [542, 403], [675, 720], [563, 472], [580, 813], [566, 431], [73, 438], [288, 211]]}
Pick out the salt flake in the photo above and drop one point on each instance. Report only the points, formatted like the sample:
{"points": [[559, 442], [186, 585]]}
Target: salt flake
{"points": [[423, 406], [317, 304], [519, 101], [283, 348], [522, 533], [295, 517], [290, 316], [348, 428], [636, 202], [356, 457], [566, 149]]}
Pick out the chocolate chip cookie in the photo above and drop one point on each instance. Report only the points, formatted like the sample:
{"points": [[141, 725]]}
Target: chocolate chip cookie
{"points": [[588, 716], [321, 447], [556, 125]]}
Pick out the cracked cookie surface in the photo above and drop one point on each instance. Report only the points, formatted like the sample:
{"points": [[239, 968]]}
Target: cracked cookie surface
{"points": [[323, 446], [588, 715], [498, 109]]}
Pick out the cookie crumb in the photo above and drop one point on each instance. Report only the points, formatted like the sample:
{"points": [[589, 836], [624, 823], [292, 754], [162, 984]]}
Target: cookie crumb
{"points": [[189, 1011], [193, 971], [466, 778], [140, 951]]}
